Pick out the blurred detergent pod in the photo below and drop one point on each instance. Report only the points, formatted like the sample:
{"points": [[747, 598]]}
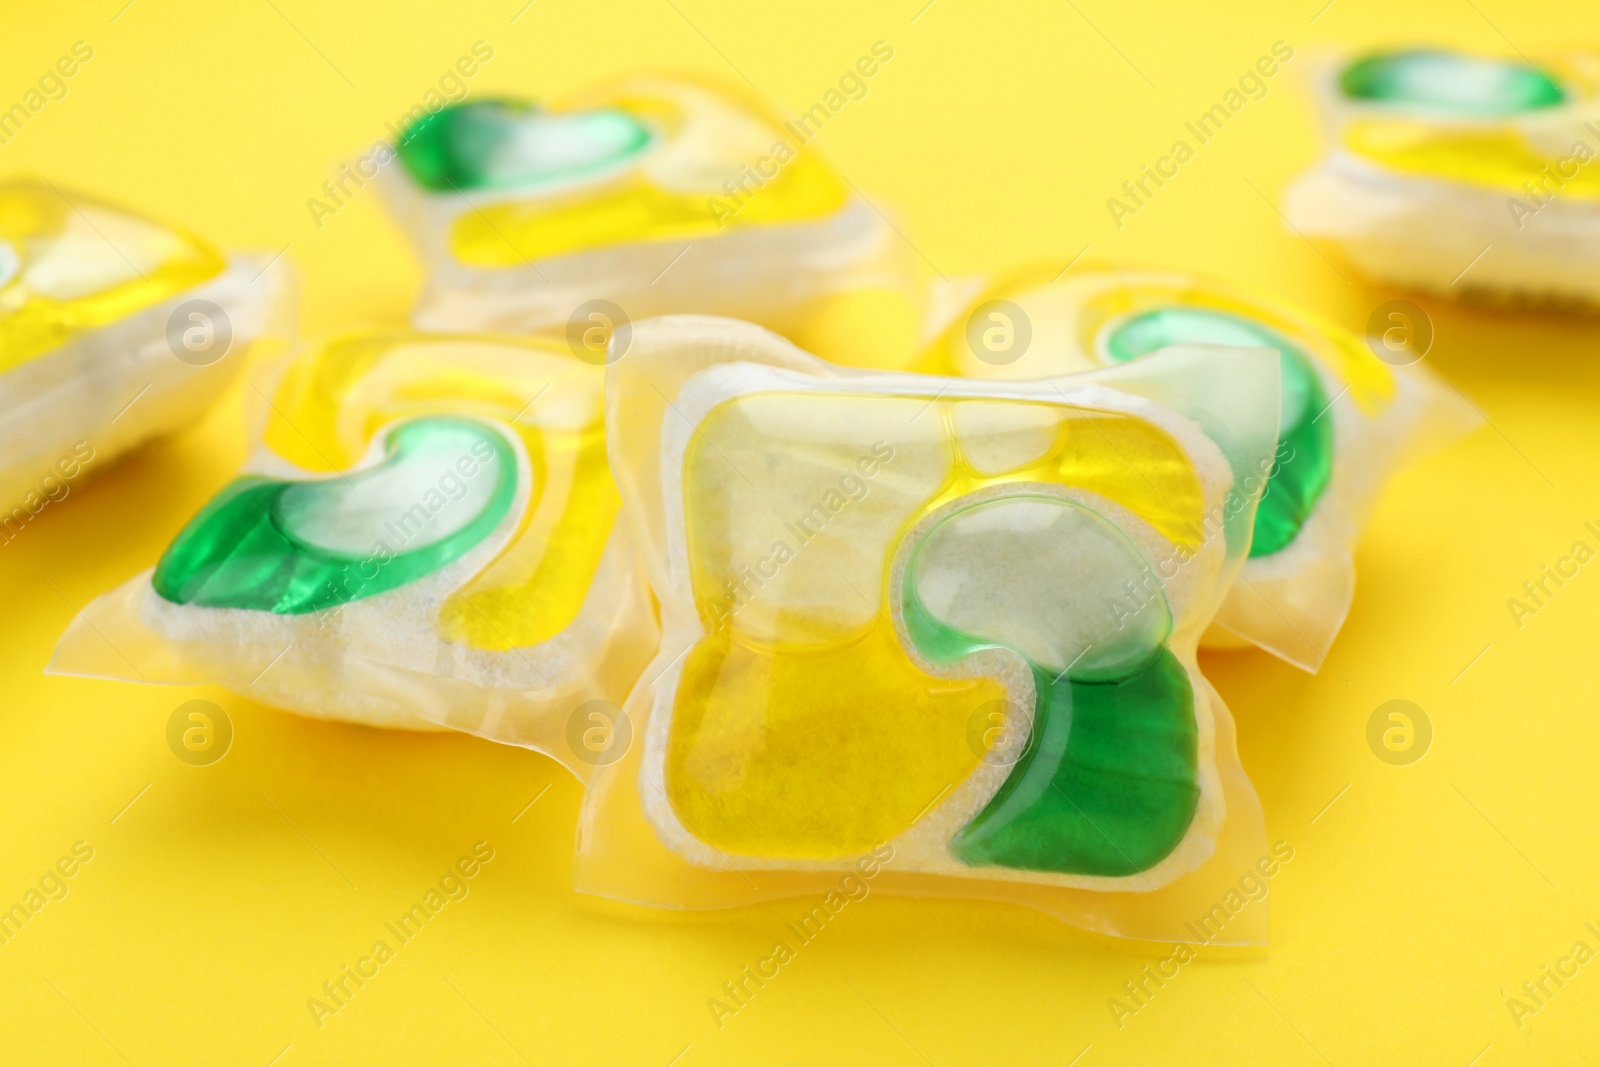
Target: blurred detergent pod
{"points": [[655, 194], [427, 536], [1346, 418], [114, 329], [1462, 175]]}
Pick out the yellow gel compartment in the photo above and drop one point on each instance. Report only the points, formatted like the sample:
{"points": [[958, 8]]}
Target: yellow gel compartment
{"points": [[634, 208], [821, 754], [1120, 457], [329, 407], [1372, 384], [68, 266], [1499, 158], [819, 739]]}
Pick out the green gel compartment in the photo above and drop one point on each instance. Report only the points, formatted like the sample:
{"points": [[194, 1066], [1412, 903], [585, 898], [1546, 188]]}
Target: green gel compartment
{"points": [[1305, 438], [502, 144], [1108, 783], [293, 547], [1449, 83]]}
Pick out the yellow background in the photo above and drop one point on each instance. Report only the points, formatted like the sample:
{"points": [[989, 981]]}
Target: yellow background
{"points": [[224, 896]]}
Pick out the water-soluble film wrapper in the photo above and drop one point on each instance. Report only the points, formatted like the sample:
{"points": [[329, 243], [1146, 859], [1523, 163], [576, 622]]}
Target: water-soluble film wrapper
{"points": [[934, 632], [426, 537], [651, 195], [1461, 175], [1347, 420], [114, 330]]}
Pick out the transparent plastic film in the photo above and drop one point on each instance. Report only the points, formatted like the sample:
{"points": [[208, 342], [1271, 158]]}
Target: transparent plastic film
{"points": [[114, 329], [651, 194], [1435, 154], [427, 537], [938, 629], [1347, 419]]}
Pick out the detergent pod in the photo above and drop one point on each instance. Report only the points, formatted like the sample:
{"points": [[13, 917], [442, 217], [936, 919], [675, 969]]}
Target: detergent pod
{"points": [[426, 537], [647, 196], [113, 330], [932, 632], [1346, 420], [1461, 175]]}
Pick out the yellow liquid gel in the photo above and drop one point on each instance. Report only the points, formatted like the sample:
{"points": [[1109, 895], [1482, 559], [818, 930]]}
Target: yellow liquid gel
{"points": [[511, 604], [511, 233], [328, 408], [816, 754], [720, 162], [1499, 159], [806, 737], [71, 266]]}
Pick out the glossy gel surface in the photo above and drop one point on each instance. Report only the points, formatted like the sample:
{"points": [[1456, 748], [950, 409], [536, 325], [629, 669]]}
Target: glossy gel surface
{"points": [[295, 547], [1502, 159], [655, 161], [502, 144], [1305, 437], [1450, 83], [331, 404], [1107, 784], [802, 727], [1506, 144], [69, 265]]}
